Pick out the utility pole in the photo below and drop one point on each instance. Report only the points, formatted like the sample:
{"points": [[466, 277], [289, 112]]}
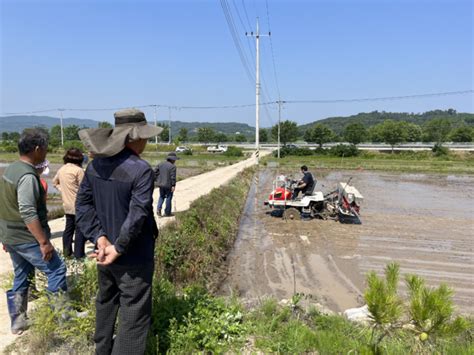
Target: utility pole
{"points": [[169, 125], [156, 125], [257, 89], [280, 103], [62, 129]]}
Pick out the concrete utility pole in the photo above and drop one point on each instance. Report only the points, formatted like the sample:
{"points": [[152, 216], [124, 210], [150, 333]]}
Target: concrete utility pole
{"points": [[62, 129], [156, 124], [169, 125], [257, 88], [280, 103]]}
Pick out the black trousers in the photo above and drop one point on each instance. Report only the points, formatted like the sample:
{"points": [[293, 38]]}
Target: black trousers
{"points": [[79, 240], [126, 290]]}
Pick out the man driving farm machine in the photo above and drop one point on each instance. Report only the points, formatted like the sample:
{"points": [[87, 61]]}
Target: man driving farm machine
{"points": [[306, 185]]}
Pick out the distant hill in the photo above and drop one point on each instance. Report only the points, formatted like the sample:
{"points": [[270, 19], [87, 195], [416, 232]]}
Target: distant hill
{"points": [[18, 123], [221, 127], [338, 124]]}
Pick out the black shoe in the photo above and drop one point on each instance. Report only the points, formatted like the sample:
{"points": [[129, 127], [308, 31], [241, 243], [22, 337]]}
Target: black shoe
{"points": [[158, 213], [169, 215]]}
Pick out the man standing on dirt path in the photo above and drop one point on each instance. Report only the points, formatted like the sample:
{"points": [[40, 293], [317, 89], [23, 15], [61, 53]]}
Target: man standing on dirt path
{"points": [[24, 229], [306, 184], [165, 175], [114, 207]]}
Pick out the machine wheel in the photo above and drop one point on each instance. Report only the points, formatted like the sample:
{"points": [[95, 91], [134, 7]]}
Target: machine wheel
{"points": [[292, 213]]}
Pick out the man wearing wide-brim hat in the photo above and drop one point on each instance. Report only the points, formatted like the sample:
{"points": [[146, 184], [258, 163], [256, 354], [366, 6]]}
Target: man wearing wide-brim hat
{"points": [[114, 208], [165, 175]]}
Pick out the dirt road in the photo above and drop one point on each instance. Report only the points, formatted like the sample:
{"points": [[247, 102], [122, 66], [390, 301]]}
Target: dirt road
{"points": [[186, 191], [424, 222]]}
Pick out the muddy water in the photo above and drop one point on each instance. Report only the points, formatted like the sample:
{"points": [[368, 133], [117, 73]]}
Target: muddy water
{"points": [[424, 222]]}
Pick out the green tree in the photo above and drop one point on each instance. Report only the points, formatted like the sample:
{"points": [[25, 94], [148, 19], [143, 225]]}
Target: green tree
{"points": [[5, 136], [355, 133], [437, 130], [462, 134], [165, 133], [240, 138], [288, 132], [183, 134], [14, 136], [206, 134], [104, 124], [413, 131], [55, 136], [319, 134], [71, 133], [263, 135], [392, 132], [221, 138], [375, 134]]}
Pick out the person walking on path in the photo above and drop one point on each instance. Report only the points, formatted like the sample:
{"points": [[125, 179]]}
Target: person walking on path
{"points": [[114, 207], [24, 229], [67, 181], [165, 175]]}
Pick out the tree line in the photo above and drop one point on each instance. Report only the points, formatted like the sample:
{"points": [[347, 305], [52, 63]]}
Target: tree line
{"points": [[392, 132]]}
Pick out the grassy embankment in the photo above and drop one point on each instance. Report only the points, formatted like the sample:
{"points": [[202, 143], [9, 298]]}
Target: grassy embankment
{"points": [[407, 162], [187, 318]]}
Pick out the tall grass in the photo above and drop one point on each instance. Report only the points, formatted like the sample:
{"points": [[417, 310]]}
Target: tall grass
{"points": [[193, 249]]}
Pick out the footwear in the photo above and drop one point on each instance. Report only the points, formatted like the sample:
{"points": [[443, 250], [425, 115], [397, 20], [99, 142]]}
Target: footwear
{"points": [[169, 215], [17, 305], [158, 213]]}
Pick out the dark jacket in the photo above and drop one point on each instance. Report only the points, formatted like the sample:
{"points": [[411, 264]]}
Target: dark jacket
{"points": [[165, 174], [309, 181], [115, 199]]}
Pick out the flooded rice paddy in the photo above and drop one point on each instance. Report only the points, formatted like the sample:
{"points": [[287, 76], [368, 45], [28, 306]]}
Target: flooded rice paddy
{"points": [[423, 222]]}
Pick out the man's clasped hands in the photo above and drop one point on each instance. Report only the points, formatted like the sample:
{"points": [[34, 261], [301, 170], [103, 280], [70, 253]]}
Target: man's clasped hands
{"points": [[105, 254]]}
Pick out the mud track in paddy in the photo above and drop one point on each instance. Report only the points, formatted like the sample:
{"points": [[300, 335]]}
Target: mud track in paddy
{"points": [[424, 222]]}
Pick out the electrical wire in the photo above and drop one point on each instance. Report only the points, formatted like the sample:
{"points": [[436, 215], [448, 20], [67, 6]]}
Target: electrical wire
{"points": [[236, 39], [272, 51], [388, 98], [267, 103]]}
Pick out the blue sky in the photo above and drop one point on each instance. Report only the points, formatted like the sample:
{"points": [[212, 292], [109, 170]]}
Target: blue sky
{"points": [[99, 54]]}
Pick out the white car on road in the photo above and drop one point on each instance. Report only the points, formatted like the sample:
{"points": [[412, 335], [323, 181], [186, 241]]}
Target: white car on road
{"points": [[217, 149], [182, 149]]}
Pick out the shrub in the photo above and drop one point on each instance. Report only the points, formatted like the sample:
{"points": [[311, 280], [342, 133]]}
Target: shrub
{"points": [[73, 144], [431, 309], [343, 150], [8, 148], [293, 151], [233, 151], [439, 150], [429, 313], [188, 152], [321, 151], [210, 327]]}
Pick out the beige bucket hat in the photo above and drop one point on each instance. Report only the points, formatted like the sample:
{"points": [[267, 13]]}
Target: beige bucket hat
{"points": [[129, 124]]}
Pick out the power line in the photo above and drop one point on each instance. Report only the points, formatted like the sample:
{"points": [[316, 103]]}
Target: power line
{"points": [[267, 103], [235, 38], [246, 14], [271, 48], [238, 45], [387, 98]]}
